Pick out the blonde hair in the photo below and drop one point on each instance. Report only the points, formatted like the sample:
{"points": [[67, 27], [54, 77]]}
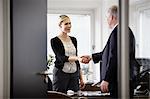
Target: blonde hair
{"points": [[62, 18]]}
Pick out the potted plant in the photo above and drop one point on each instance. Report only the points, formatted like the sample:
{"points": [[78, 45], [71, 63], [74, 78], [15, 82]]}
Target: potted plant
{"points": [[50, 60]]}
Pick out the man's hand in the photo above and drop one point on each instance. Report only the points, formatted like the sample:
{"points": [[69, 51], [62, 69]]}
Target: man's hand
{"points": [[104, 86], [85, 59]]}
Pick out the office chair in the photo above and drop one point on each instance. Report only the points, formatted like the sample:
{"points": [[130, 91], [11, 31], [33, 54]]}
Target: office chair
{"points": [[143, 87]]}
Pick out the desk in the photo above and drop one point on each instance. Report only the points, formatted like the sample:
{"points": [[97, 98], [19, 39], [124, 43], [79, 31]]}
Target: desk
{"points": [[90, 92], [90, 95], [93, 92], [97, 95], [86, 95]]}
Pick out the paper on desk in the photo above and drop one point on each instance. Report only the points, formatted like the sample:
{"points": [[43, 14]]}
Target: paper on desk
{"points": [[97, 84], [94, 93]]}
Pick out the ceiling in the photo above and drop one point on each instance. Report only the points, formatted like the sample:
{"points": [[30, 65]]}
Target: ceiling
{"points": [[83, 4], [71, 4]]}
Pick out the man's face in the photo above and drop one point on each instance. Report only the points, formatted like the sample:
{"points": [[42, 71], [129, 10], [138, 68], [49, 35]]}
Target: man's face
{"points": [[109, 20]]}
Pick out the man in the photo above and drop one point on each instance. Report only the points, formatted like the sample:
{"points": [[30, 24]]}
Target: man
{"points": [[108, 56]]}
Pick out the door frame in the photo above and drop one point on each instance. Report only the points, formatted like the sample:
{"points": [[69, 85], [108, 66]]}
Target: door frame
{"points": [[6, 49]]}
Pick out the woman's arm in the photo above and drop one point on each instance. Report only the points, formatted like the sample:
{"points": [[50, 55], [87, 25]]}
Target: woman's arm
{"points": [[82, 84]]}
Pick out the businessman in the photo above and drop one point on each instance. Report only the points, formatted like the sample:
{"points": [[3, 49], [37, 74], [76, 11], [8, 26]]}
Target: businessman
{"points": [[108, 67]]}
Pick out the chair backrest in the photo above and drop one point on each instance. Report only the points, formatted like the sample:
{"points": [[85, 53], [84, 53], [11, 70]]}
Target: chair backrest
{"points": [[57, 95], [144, 65]]}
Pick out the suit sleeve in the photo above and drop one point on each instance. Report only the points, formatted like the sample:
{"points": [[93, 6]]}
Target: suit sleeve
{"points": [[97, 57], [111, 73]]}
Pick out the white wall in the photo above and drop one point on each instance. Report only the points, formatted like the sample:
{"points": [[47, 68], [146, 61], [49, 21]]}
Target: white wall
{"points": [[72, 4], [97, 38], [1, 49]]}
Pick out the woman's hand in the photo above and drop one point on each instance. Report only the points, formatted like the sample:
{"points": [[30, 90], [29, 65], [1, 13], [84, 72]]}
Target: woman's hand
{"points": [[82, 84], [73, 58]]}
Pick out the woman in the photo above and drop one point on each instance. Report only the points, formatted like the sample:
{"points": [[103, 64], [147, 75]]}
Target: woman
{"points": [[66, 73]]}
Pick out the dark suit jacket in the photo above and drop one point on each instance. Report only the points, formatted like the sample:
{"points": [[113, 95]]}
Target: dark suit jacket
{"points": [[59, 51], [109, 58]]}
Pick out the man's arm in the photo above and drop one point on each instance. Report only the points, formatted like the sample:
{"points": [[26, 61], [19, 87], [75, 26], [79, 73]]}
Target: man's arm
{"points": [[97, 57]]}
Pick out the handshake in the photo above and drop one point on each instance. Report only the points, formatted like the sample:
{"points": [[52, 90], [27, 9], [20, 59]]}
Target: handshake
{"points": [[85, 59]]}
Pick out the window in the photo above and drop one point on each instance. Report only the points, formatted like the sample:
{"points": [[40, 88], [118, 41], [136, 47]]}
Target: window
{"points": [[144, 47]]}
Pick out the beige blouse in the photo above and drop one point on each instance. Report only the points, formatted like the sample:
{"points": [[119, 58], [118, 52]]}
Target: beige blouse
{"points": [[70, 50]]}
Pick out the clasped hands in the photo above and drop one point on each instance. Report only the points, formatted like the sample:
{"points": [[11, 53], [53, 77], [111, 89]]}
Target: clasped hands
{"points": [[84, 59]]}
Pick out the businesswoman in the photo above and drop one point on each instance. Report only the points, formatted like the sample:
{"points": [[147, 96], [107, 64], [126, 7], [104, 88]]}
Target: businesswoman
{"points": [[66, 73]]}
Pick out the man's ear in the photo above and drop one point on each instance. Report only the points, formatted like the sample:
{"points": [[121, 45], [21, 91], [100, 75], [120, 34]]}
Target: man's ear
{"points": [[112, 17]]}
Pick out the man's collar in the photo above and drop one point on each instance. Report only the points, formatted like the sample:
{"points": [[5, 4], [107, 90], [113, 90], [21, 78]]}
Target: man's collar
{"points": [[113, 27]]}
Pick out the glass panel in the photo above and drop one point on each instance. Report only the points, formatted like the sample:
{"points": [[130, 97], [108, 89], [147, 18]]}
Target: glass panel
{"points": [[139, 22]]}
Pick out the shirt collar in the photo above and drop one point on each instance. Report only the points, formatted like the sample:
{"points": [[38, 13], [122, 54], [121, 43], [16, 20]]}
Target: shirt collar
{"points": [[113, 27]]}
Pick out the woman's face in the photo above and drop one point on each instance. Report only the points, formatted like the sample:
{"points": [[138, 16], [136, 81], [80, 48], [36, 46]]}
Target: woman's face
{"points": [[66, 26]]}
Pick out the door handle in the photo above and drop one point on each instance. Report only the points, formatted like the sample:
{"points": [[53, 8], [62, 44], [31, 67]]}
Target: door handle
{"points": [[43, 73]]}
